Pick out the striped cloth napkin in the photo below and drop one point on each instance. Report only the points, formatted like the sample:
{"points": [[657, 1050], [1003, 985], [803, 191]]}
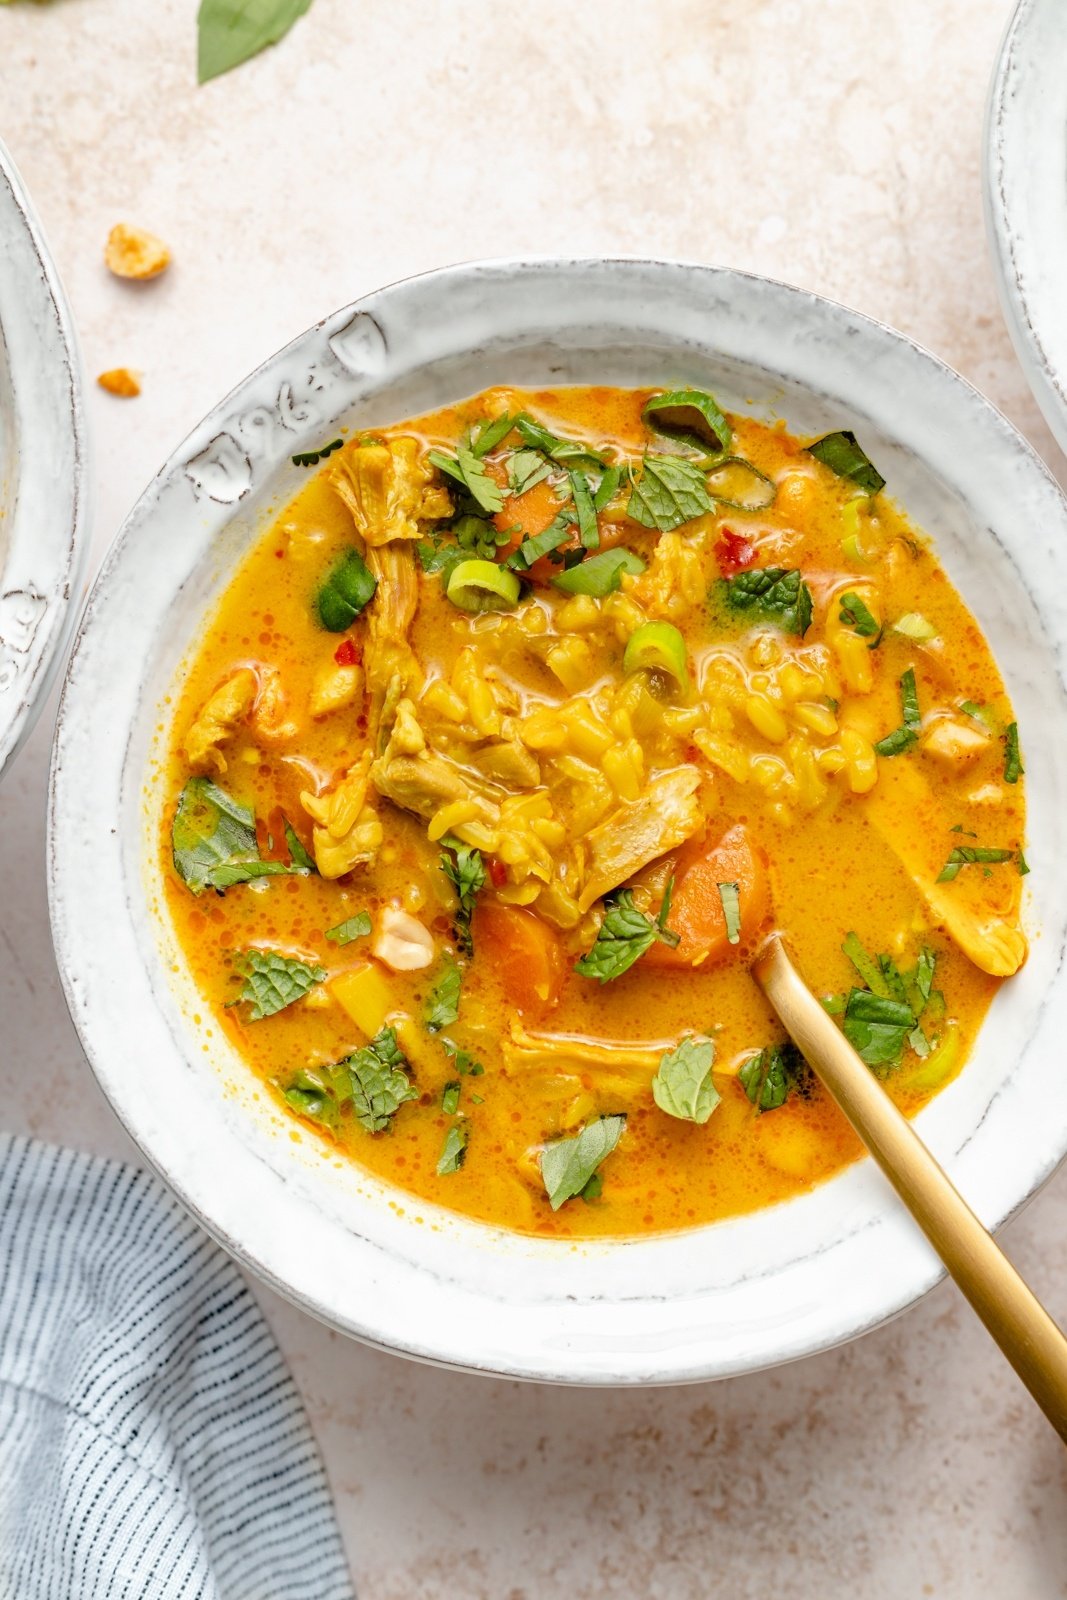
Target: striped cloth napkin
{"points": [[152, 1443]]}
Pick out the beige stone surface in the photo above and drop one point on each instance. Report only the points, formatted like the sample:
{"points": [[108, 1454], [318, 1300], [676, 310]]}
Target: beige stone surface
{"points": [[834, 144]]}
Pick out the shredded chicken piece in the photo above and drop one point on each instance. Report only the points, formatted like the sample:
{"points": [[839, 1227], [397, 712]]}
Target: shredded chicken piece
{"points": [[990, 936], [334, 687], [391, 666], [390, 489], [270, 717], [508, 762], [217, 719], [618, 1068], [664, 816], [953, 742], [347, 831], [428, 783]]}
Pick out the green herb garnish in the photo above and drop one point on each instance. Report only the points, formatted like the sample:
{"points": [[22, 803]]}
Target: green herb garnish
{"points": [[774, 594], [525, 469], [274, 981], [213, 838], [607, 488], [454, 1150], [465, 871], [541, 544], [877, 1027], [588, 533], [230, 31], [855, 615], [467, 469], [463, 1061], [357, 927], [670, 491], [688, 414], [968, 855], [841, 453], [600, 574], [442, 1005], [730, 895], [682, 1086], [770, 1075], [489, 434], [570, 452], [568, 1166], [450, 1097], [1013, 766], [902, 738], [469, 539], [308, 458], [379, 1081], [625, 934]]}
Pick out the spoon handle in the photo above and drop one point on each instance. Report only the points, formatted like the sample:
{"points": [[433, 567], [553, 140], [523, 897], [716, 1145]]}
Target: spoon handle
{"points": [[1014, 1316]]}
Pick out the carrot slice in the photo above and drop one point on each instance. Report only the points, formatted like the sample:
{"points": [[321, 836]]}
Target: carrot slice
{"points": [[523, 953], [696, 907]]}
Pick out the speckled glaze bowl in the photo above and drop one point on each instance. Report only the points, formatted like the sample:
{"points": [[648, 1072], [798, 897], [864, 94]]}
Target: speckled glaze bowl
{"points": [[43, 523], [1025, 188], [742, 1294]]}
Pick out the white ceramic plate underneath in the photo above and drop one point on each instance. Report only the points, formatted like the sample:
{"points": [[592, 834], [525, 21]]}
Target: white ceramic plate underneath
{"points": [[43, 524], [1025, 185], [742, 1294]]}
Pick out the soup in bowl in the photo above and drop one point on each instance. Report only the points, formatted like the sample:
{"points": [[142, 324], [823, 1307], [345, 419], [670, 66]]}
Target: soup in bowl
{"points": [[484, 680]]}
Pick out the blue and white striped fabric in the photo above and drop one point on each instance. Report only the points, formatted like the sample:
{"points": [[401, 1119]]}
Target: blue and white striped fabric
{"points": [[152, 1443]]}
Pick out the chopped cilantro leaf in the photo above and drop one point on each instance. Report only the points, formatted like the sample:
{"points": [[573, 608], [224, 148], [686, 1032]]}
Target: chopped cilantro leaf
{"points": [[465, 871]]}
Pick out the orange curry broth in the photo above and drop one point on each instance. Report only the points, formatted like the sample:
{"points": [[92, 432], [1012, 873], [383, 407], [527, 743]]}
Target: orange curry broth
{"points": [[830, 870]]}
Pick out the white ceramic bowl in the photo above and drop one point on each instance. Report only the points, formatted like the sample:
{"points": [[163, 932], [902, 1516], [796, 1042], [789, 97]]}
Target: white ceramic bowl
{"points": [[745, 1293], [1025, 187], [43, 525]]}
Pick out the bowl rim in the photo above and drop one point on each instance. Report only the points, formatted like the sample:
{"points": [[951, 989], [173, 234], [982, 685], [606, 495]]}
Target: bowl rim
{"points": [[1025, 197], [47, 544], [923, 1270]]}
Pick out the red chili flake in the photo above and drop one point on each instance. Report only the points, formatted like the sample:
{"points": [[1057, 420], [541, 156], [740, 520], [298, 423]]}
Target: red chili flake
{"points": [[348, 653], [735, 552], [280, 554], [498, 873], [692, 753]]}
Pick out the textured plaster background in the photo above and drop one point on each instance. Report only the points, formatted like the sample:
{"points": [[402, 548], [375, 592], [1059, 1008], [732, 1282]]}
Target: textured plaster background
{"points": [[833, 144]]}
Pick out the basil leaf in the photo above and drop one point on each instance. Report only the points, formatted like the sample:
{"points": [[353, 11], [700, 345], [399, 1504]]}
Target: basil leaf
{"points": [[538, 437], [317, 1092], [844, 456], [770, 1075], [682, 1086], [298, 855], [967, 855], [877, 1027], [274, 981], [442, 1006], [775, 594], [348, 587], [309, 458], [669, 492], [230, 31], [213, 839], [465, 871], [730, 896], [357, 927], [895, 743], [463, 1060], [525, 469], [608, 487], [688, 413], [532, 549], [466, 469], [1013, 766], [379, 1082], [490, 434], [588, 532], [855, 615], [867, 967], [600, 574], [624, 936], [454, 1150], [902, 738], [568, 1165]]}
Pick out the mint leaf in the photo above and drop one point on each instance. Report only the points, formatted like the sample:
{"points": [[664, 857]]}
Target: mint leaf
{"points": [[357, 927], [670, 491], [465, 871], [380, 1085], [877, 1027], [774, 594], [688, 414], [770, 1075], [841, 453], [454, 1151], [624, 936], [450, 1097], [442, 1006], [274, 981], [231, 31], [464, 1061], [213, 839], [568, 1165], [566, 451], [682, 1086], [465, 468], [855, 614]]}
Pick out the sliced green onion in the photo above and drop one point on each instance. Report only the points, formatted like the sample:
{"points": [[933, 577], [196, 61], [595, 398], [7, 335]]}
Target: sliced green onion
{"points": [[730, 895], [482, 586], [913, 625], [657, 647], [599, 575], [689, 413]]}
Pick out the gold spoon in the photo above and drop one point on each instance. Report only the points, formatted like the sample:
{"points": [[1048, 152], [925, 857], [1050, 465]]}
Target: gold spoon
{"points": [[1011, 1312]]}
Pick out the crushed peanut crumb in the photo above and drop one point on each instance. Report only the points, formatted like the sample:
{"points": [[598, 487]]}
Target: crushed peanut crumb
{"points": [[135, 253]]}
